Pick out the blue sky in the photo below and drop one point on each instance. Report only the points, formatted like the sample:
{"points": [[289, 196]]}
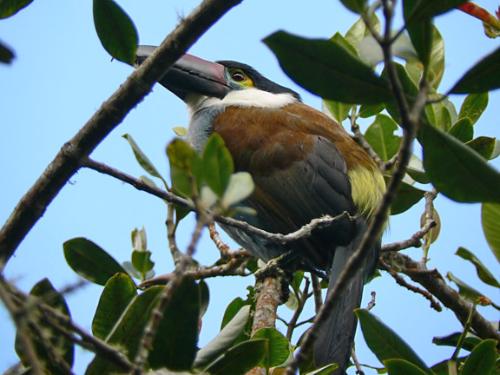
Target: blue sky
{"points": [[61, 75]]}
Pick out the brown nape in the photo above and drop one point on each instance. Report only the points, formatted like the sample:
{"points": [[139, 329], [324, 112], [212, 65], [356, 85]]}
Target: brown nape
{"points": [[268, 129]]}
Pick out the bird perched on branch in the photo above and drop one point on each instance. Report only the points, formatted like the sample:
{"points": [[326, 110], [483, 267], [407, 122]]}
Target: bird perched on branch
{"points": [[304, 165]]}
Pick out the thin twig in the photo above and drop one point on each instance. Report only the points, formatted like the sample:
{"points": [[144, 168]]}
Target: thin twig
{"points": [[413, 241], [318, 299], [302, 299], [221, 246], [433, 281], [67, 161], [359, 370], [372, 302], [21, 322], [401, 281], [303, 232], [360, 139], [172, 243]]}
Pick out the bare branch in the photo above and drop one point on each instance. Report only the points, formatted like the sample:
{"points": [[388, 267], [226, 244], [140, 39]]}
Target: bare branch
{"points": [[302, 298], [413, 241], [67, 161], [435, 284]]}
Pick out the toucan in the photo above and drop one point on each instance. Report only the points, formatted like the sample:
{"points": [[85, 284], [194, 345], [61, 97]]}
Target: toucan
{"points": [[304, 165]]}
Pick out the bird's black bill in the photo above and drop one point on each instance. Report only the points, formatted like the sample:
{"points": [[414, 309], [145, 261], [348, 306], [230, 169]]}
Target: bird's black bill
{"points": [[190, 75]]}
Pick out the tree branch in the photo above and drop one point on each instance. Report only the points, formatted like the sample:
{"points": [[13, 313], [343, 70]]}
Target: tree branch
{"points": [[67, 161], [435, 284]]}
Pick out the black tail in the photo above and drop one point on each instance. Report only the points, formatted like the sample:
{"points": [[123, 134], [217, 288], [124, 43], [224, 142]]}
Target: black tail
{"points": [[336, 336]]}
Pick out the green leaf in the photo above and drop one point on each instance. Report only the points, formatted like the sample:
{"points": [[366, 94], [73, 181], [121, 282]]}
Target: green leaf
{"points": [[115, 30], [141, 260], [240, 186], [406, 197], [469, 342], [278, 347], [204, 297], [239, 359], [426, 9], [142, 159], [52, 341], [481, 360], [217, 164], [182, 157], [327, 69], [482, 272], [174, 346], [402, 367], [338, 111], [224, 340], [325, 370], [116, 296], [473, 106], [436, 63], [139, 239], [380, 135], [369, 110], [462, 130], [432, 235], [357, 6], [490, 218], [420, 32], [384, 342], [409, 88], [358, 31], [11, 7], [416, 170], [456, 170], [482, 77], [442, 368], [6, 54], [298, 276], [128, 331], [484, 146], [231, 310], [468, 292], [90, 261]]}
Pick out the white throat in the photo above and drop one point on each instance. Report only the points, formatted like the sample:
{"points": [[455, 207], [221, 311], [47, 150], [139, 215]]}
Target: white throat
{"points": [[241, 98]]}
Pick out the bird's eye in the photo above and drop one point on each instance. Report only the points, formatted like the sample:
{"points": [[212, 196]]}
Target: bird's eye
{"points": [[238, 76]]}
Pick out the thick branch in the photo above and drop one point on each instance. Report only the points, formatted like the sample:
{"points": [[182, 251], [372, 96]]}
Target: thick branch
{"points": [[435, 284], [67, 161]]}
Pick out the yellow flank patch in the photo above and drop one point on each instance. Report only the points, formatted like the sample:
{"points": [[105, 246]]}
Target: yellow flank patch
{"points": [[368, 187]]}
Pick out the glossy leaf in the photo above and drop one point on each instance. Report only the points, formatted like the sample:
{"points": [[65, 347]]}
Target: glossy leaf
{"points": [[370, 110], [406, 197], [224, 340], [240, 186], [52, 340], [484, 146], [142, 159], [436, 59], [231, 310], [174, 346], [409, 88], [239, 359], [481, 360], [325, 370], [204, 296], [327, 69], [384, 342], [337, 111], [127, 333], [380, 135], [115, 30], [357, 6], [482, 272], [420, 32], [118, 292], [462, 130], [402, 367], [482, 77], [141, 260], [426, 9], [90, 261], [217, 164], [490, 219], [469, 342], [473, 106], [439, 115], [6, 54], [442, 368], [11, 7], [181, 157], [456, 170], [358, 31], [468, 292], [416, 170], [278, 347]]}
